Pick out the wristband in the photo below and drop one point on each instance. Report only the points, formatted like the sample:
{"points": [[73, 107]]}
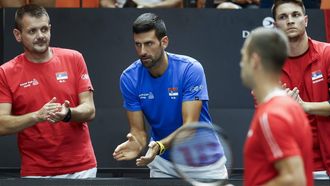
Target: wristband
{"points": [[161, 148], [67, 117]]}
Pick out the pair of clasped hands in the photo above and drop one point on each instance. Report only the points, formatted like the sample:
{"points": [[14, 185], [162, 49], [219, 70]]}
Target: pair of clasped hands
{"points": [[53, 111], [294, 93]]}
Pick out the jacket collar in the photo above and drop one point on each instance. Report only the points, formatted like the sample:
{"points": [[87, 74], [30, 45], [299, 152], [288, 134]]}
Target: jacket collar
{"points": [[311, 51]]}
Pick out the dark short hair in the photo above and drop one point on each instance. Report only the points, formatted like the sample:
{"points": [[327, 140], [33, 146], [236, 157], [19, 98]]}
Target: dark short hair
{"points": [[277, 3], [271, 44], [31, 10], [147, 22]]}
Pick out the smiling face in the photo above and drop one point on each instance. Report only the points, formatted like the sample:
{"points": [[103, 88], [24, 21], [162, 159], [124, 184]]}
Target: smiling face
{"points": [[34, 34], [290, 18], [149, 49]]}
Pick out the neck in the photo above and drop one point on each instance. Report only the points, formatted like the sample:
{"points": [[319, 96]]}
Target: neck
{"points": [[39, 57], [298, 46], [159, 69], [262, 90]]}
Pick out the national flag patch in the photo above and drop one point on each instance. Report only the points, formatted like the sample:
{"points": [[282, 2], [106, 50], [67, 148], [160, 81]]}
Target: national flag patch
{"points": [[173, 91], [317, 76], [61, 75]]}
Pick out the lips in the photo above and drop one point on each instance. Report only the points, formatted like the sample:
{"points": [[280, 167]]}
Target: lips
{"points": [[40, 43], [145, 58], [290, 29]]}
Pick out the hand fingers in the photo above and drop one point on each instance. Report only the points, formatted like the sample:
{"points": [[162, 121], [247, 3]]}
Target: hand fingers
{"points": [[55, 116], [142, 161], [66, 103], [119, 148], [149, 157], [53, 100], [50, 120], [284, 86], [121, 159], [295, 93], [121, 153], [52, 105], [131, 137], [53, 108], [152, 144], [119, 156], [296, 90]]}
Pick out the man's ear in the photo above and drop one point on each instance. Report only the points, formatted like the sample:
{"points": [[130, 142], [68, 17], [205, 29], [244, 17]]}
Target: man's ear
{"points": [[164, 42], [18, 35], [255, 61]]}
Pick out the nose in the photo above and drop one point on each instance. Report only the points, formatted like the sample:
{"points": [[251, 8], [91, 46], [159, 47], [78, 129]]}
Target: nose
{"points": [[143, 50], [39, 34], [290, 20]]}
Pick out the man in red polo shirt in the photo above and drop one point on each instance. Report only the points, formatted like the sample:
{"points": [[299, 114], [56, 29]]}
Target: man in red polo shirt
{"points": [[46, 97], [278, 148]]}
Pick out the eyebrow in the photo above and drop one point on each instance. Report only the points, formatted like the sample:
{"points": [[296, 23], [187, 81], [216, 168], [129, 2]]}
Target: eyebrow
{"points": [[290, 13], [41, 26], [297, 12], [149, 41]]}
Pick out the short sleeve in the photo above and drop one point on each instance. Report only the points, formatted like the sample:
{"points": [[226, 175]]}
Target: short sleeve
{"points": [[5, 95], [129, 93], [194, 83], [276, 137], [83, 80]]}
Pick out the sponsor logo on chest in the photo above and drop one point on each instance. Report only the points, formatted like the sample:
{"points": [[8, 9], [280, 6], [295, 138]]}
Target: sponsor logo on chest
{"points": [[148, 95], [30, 83]]}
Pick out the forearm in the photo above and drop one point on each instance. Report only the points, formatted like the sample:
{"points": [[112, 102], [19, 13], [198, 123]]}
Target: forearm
{"points": [[167, 140], [83, 112], [10, 124], [190, 114], [317, 108], [285, 180], [141, 137], [290, 172], [137, 127]]}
